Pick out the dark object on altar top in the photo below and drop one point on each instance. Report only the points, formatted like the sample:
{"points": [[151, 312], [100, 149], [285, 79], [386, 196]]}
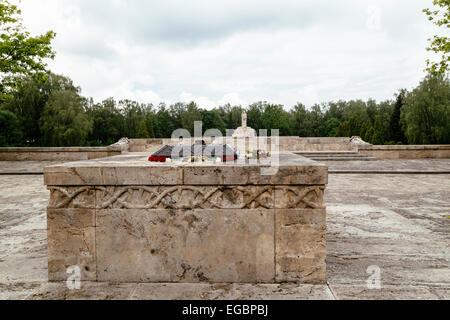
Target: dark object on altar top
{"points": [[199, 149]]}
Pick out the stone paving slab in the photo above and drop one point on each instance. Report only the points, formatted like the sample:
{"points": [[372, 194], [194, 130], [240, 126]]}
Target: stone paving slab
{"points": [[87, 291], [23, 167], [177, 291], [390, 165], [387, 292], [432, 165], [400, 223]]}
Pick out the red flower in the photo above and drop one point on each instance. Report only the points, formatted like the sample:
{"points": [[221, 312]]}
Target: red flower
{"points": [[162, 159], [151, 158], [229, 158]]}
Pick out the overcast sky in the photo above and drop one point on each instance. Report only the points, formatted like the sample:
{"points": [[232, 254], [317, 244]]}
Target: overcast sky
{"points": [[220, 51]]}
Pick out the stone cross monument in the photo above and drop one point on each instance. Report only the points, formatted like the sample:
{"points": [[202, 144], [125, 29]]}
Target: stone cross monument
{"points": [[244, 131]]}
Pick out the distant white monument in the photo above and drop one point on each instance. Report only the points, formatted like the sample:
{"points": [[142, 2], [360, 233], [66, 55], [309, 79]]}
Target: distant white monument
{"points": [[244, 131]]}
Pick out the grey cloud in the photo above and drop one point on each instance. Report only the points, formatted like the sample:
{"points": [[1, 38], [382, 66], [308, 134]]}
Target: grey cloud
{"points": [[283, 51], [196, 21]]}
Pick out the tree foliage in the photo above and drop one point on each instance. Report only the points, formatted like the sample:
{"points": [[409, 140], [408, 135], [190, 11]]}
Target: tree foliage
{"points": [[396, 133], [10, 133], [440, 16], [20, 53], [426, 114], [64, 121], [53, 113]]}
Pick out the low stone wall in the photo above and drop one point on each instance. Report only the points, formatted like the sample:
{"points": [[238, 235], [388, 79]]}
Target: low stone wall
{"points": [[315, 144], [142, 145], [57, 154], [407, 152], [286, 144]]}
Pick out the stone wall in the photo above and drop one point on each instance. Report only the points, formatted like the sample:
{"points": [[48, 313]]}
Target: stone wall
{"points": [[286, 144], [407, 152], [57, 154]]}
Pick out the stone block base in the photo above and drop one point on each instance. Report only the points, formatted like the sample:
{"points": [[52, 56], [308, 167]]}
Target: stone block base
{"points": [[124, 219], [262, 245]]}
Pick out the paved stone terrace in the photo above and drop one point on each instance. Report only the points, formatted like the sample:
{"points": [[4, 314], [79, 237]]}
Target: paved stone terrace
{"points": [[400, 223]]}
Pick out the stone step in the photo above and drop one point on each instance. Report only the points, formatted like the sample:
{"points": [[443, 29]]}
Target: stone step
{"points": [[324, 154], [337, 156], [345, 159]]}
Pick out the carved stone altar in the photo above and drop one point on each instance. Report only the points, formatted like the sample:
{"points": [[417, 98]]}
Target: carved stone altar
{"points": [[124, 219]]}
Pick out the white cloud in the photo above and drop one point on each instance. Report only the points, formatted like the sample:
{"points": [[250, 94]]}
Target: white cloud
{"points": [[233, 51]]}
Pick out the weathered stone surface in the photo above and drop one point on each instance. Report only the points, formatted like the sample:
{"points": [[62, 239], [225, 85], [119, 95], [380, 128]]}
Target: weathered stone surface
{"points": [[391, 216], [290, 169], [186, 222], [407, 152], [18, 291], [182, 291], [106, 173], [299, 197], [185, 197], [389, 292], [285, 291], [72, 197], [352, 269], [284, 174], [300, 238], [185, 246], [188, 197], [87, 291], [71, 242], [56, 154]]}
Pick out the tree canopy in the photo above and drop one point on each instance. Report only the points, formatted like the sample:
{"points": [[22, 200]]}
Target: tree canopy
{"points": [[20, 53], [40, 108], [440, 16], [53, 113], [426, 115]]}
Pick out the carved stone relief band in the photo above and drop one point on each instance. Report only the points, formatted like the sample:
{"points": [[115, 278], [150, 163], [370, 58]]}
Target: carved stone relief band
{"points": [[188, 197]]}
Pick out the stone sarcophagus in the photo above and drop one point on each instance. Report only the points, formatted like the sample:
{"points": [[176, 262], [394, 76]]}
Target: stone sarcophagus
{"points": [[124, 219]]}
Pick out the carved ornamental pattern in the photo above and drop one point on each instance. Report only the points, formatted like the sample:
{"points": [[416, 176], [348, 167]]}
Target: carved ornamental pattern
{"points": [[188, 197]]}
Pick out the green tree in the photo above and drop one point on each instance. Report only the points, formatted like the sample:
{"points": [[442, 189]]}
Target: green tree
{"points": [[64, 121], [344, 130], [367, 131], [377, 137], [274, 117], [354, 124], [164, 123], [133, 113], [299, 121], [10, 133], [254, 113], [232, 116], [189, 116], [175, 111], [426, 113], [107, 123], [440, 16], [213, 120], [395, 128], [20, 53], [150, 126], [28, 100], [142, 132], [331, 127]]}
